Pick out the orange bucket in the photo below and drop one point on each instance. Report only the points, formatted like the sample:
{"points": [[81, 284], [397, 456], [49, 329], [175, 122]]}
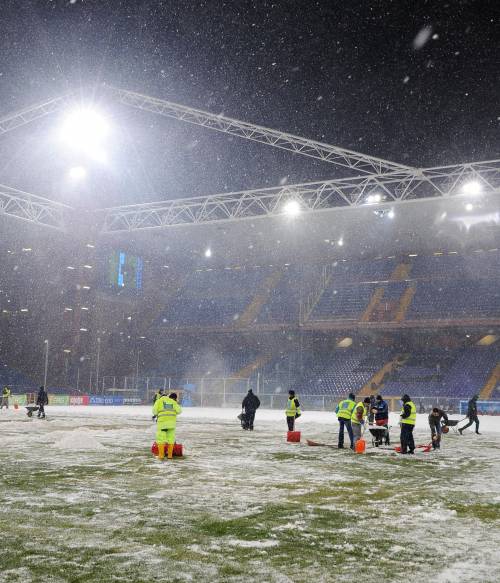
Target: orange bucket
{"points": [[360, 446]]}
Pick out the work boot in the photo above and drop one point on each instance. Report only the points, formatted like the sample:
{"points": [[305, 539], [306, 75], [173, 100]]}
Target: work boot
{"points": [[170, 451], [477, 432], [161, 451]]}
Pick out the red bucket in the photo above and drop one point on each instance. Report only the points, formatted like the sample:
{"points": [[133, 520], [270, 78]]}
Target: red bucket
{"points": [[176, 453], [293, 436]]}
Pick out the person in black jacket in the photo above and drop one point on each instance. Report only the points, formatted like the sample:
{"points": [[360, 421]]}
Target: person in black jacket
{"points": [[381, 411], [42, 399], [250, 404], [373, 405], [472, 415], [435, 424]]}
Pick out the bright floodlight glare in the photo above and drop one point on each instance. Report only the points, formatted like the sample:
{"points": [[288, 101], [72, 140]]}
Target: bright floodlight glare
{"points": [[77, 173], [391, 214], [208, 252], [341, 242], [472, 187], [84, 128], [292, 208], [373, 198], [469, 206]]}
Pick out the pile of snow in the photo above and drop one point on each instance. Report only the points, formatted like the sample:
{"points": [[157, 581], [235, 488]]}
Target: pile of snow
{"points": [[137, 412], [75, 440]]}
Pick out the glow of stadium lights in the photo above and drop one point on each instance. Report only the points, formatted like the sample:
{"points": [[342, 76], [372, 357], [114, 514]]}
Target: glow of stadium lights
{"points": [[84, 308], [373, 198], [208, 253], [85, 286], [85, 129], [90, 246], [84, 330], [292, 208], [23, 310], [77, 173], [70, 267], [472, 187], [341, 242], [469, 206], [26, 249], [67, 351], [88, 266], [391, 214], [68, 309]]}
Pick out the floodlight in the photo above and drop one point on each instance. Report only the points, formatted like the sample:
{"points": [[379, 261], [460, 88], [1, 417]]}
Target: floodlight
{"points": [[391, 214], [373, 198], [77, 173], [340, 242], [208, 252], [469, 206], [292, 208], [84, 128], [472, 187]]}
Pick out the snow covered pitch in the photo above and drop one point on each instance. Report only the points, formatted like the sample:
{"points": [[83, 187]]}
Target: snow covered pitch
{"points": [[83, 499]]}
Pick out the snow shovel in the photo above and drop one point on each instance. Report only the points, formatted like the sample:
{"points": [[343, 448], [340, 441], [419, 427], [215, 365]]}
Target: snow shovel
{"points": [[318, 444]]}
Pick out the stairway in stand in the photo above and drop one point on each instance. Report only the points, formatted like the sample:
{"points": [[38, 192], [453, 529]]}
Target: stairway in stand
{"points": [[378, 377], [262, 295], [490, 384]]}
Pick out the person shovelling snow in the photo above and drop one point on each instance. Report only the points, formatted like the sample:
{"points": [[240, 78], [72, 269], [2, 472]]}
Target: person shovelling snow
{"points": [[344, 413], [435, 424], [358, 417], [292, 411], [408, 418], [166, 410]]}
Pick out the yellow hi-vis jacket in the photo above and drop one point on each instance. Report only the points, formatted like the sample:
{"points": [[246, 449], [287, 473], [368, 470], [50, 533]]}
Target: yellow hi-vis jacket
{"points": [[345, 408], [291, 408], [166, 410], [412, 419], [354, 415]]}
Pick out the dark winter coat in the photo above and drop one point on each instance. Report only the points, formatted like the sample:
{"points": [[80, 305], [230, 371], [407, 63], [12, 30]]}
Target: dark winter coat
{"points": [[42, 398], [250, 403], [436, 419], [472, 408], [382, 410]]}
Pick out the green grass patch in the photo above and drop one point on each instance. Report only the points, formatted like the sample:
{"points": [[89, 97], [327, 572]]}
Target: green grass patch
{"points": [[481, 511]]}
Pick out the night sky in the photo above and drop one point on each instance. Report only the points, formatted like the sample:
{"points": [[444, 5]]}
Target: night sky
{"points": [[416, 82]]}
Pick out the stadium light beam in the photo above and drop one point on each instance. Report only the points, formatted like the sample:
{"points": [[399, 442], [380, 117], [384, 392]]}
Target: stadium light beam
{"points": [[77, 173], [84, 129], [472, 187], [292, 208], [373, 198], [208, 253]]}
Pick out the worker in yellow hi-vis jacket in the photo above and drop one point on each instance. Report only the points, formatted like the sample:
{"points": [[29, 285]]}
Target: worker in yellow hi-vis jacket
{"points": [[166, 410]]}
